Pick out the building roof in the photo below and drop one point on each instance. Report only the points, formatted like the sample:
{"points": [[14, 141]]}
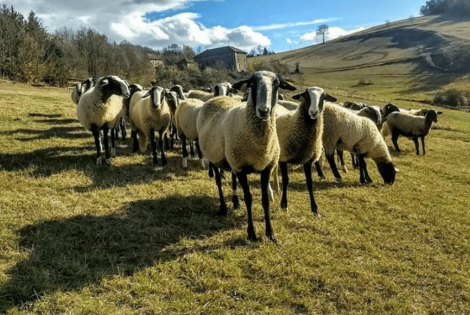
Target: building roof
{"points": [[187, 60], [218, 51]]}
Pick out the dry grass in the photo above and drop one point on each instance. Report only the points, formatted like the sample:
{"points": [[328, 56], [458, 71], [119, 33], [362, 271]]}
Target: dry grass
{"points": [[81, 239]]}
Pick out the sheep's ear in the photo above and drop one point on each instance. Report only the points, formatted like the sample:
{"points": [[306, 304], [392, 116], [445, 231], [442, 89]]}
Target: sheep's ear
{"points": [[330, 98], [396, 169], [297, 96], [287, 86], [147, 94], [440, 113], [240, 84], [104, 82]]}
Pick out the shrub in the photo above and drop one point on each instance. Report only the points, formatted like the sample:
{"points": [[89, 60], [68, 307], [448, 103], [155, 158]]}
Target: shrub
{"points": [[452, 97]]}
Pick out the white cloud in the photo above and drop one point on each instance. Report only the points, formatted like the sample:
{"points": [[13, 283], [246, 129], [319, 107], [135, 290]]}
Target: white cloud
{"points": [[333, 32], [125, 19]]}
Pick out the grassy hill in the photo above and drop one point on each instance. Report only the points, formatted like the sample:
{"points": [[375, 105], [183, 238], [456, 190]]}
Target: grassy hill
{"points": [[80, 239], [414, 56]]}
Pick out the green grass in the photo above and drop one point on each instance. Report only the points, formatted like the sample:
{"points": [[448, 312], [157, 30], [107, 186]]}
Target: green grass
{"points": [[80, 239]]}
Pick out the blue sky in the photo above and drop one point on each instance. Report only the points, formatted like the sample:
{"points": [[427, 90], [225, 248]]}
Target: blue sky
{"points": [[277, 25]]}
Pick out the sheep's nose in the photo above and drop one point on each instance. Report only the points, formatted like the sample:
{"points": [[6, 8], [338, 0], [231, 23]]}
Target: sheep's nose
{"points": [[314, 114], [263, 113]]}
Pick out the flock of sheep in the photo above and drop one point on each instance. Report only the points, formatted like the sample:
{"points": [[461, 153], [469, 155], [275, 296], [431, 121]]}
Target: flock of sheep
{"points": [[256, 133]]}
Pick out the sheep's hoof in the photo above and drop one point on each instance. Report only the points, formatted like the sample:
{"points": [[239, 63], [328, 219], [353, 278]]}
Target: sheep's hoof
{"points": [[272, 238], [339, 180], [185, 163], [316, 213], [223, 211], [113, 151], [99, 161], [201, 162], [108, 162], [252, 237]]}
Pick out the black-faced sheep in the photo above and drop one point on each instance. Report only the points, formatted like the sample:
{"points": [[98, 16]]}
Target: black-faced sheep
{"points": [[346, 130], [99, 109], [242, 138], [149, 113], [413, 127], [300, 138]]}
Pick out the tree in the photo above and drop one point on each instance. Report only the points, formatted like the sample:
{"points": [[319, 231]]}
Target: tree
{"points": [[433, 7], [322, 30]]}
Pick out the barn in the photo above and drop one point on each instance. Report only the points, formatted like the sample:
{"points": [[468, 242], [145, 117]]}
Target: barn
{"points": [[228, 56]]}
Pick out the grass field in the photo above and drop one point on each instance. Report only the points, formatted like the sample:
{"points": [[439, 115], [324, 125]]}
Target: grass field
{"points": [[80, 239]]}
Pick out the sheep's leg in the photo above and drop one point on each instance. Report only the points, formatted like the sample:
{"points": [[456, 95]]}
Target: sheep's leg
{"points": [[96, 136], [395, 141], [185, 150], [106, 145], [199, 154], [243, 180], [275, 177], [340, 154], [211, 171], [364, 177], [354, 161], [422, 142], [331, 160], [235, 201], [167, 143], [285, 183], [135, 143], [223, 207], [122, 125], [308, 178], [153, 142], [265, 176], [191, 150], [415, 140], [113, 143], [162, 147], [319, 169]]}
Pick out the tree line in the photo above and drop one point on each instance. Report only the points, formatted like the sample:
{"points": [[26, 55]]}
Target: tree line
{"points": [[459, 7], [29, 53]]}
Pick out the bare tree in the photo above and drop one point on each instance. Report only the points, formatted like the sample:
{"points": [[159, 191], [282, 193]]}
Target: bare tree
{"points": [[387, 23], [322, 30]]}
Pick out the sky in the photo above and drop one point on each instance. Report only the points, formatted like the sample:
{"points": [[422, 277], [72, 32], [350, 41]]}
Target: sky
{"points": [[204, 24]]}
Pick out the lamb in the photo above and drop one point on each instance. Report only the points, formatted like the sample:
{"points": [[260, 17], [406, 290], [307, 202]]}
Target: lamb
{"points": [[242, 138], [300, 138], [185, 119], [345, 130], [99, 109], [414, 127], [149, 113]]}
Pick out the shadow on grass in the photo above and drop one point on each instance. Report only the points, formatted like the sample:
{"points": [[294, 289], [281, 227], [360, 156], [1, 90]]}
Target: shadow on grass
{"points": [[54, 132], [69, 254]]}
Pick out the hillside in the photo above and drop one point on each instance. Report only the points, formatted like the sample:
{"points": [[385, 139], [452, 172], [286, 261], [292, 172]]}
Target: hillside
{"points": [[431, 51]]}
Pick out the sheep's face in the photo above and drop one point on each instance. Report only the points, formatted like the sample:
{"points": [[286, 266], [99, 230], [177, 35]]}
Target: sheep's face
{"points": [[389, 108], [432, 115], [113, 85], [179, 90], [388, 171], [313, 99], [222, 89], [157, 95], [264, 86]]}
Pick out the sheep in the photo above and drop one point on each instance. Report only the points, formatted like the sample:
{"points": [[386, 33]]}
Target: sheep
{"points": [[100, 108], [81, 87], [390, 108], [134, 87], [414, 127], [292, 106], [149, 113], [173, 98], [185, 119], [300, 138], [202, 95], [354, 105], [222, 89], [242, 138], [346, 130]]}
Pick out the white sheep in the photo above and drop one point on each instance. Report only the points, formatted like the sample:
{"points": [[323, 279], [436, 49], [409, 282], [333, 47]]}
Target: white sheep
{"points": [[99, 109], [133, 87], [222, 89], [81, 87], [300, 138], [185, 119], [242, 138], [345, 130], [173, 98], [149, 113], [198, 94], [411, 126], [390, 108]]}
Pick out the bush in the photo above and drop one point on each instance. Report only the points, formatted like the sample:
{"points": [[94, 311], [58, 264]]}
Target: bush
{"points": [[453, 98]]}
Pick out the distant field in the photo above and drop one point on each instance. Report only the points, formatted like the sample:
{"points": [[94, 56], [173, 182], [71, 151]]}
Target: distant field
{"points": [[80, 239]]}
